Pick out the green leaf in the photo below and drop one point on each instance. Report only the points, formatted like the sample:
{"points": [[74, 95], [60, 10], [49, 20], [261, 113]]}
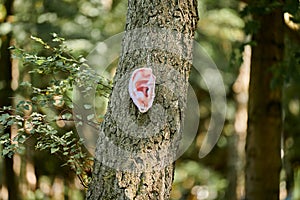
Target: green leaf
{"points": [[5, 138], [4, 118], [78, 171], [25, 84], [67, 116], [54, 149], [79, 117], [21, 150], [10, 122], [66, 149], [87, 106], [90, 117], [5, 152], [40, 62], [26, 107]]}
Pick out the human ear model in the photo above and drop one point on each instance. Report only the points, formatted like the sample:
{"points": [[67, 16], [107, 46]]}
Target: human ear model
{"points": [[141, 88]]}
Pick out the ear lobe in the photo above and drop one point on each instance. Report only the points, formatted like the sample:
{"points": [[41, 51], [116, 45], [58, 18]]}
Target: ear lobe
{"points": [[141, 88]]}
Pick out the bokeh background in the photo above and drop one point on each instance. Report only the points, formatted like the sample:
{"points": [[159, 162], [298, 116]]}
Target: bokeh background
{"points": [[221, 32]]}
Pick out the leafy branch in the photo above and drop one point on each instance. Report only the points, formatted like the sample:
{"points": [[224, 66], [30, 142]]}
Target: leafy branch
{"points": [[45, 114]]}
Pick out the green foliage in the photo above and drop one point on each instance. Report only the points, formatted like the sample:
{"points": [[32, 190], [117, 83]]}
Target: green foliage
{"points": [[194, 179], [236, 58], [45, 114], [261, 7], [252, 25], [291, 6], [82, 22]]}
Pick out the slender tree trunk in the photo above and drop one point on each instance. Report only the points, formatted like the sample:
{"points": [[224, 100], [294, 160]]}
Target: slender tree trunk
{"points": [[263, 161], [135, 151], [6, 94], [241, 88]]}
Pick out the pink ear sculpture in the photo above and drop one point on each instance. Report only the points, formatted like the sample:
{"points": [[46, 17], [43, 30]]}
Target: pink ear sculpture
{"points": [[141, 88]]}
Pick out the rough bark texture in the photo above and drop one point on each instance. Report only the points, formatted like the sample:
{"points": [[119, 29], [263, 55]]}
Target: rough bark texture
{"points": [[263, 161], [6, 100], [162, 41]]}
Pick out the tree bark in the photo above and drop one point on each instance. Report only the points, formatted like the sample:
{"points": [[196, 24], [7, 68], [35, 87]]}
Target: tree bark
{"points": [[135, 151], [263, 162], [6, 94]]}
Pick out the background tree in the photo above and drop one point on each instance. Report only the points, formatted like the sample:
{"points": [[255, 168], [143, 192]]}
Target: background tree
{"points": [[6, 91], [265, 107]]}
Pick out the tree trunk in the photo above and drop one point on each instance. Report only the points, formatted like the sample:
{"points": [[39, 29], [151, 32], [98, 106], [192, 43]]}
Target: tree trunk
{"points": [[135, 151], [6, 94], [263, 161]]}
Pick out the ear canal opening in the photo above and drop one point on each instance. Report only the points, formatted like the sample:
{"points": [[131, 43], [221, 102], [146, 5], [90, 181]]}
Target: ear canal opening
{"points": [[141, 86], [144, 90]]}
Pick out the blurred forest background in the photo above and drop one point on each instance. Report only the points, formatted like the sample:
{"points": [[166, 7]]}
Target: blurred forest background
{"points": [[48, 172]]}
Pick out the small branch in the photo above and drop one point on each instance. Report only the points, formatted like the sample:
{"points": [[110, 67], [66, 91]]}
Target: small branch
{"points": [[289, 22], [292, 29]]}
